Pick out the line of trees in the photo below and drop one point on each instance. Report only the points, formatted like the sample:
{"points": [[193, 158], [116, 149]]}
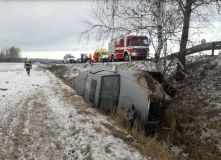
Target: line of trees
{"points": [[165, 21], [10, 54]]}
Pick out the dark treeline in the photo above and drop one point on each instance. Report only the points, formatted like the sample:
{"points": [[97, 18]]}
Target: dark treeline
{"points": [[11, 54]]}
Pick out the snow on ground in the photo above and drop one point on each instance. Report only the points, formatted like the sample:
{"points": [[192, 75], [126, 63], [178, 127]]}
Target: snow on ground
{"points": [[42, 118]]}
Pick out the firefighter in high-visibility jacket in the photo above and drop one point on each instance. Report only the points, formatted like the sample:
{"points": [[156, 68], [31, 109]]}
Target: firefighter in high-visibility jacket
{"points": [[28, 66]]}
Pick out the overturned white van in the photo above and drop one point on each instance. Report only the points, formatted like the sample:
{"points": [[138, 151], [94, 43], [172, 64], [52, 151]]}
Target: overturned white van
{"points": [[134, 94]]}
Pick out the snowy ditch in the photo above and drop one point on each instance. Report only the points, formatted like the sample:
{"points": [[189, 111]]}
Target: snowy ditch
{"points": [[202, 83], [68, 73], [144, 91]]}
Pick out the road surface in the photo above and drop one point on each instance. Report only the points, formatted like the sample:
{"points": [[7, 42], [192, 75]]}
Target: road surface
{"points": [[41, 118]]}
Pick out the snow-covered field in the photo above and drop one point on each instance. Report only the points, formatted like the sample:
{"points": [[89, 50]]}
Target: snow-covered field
{"points": [[42, 118]]}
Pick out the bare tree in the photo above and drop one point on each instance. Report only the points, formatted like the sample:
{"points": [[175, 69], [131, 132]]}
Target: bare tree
{"points": [[10, 53], [163, 20], [158, 19], [187, 7], [14, 52], [158, 16]]}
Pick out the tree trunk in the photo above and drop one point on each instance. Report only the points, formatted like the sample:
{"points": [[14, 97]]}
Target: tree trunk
{"points": [[184, 38], [159, 29], [164, 60]]}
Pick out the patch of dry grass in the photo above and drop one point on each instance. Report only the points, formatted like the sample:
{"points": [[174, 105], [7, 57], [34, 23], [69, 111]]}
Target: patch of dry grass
{"points": [[89, 157], [75, 132], [179, 133], [86, 150], [59, 71], [107, 148], [98, 129], [83, 110], [147, 146]]}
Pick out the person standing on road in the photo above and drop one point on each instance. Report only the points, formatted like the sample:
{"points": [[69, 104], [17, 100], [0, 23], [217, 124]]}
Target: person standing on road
{"points": [[28, 66]]}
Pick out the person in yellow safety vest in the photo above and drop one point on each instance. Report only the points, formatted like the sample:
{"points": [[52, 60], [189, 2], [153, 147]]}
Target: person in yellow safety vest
{"points": [[28, 66]]}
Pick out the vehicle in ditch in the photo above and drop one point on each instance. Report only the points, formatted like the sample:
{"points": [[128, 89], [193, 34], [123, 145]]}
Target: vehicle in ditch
{"points": [[133, 94]]}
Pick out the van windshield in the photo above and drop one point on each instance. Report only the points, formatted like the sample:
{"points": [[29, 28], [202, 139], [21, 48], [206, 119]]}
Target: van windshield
{"points": [[138, 41], [109, 93]]}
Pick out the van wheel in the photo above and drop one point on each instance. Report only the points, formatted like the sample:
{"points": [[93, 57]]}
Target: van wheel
{"points": [[126, 57]]}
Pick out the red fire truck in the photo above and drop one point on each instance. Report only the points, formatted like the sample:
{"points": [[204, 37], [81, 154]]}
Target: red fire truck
{"points": [[134, 47]]}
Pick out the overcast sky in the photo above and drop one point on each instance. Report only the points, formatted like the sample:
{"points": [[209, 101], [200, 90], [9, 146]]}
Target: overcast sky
{"points": [[36, 26], [50, 29]]}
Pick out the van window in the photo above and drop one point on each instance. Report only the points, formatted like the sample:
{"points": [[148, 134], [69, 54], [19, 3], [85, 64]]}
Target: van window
{"points": [[109, 93], [93, 87]]}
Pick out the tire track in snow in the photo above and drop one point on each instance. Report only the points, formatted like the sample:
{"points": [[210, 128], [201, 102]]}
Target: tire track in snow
{"points": [[33, 133]]}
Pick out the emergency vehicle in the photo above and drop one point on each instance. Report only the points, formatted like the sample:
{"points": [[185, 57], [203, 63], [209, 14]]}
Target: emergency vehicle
{"points": [[129, 47], [101, 55]]}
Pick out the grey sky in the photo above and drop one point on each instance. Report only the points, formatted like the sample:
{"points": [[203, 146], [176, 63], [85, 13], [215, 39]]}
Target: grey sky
{"points": [[43, 25]]}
